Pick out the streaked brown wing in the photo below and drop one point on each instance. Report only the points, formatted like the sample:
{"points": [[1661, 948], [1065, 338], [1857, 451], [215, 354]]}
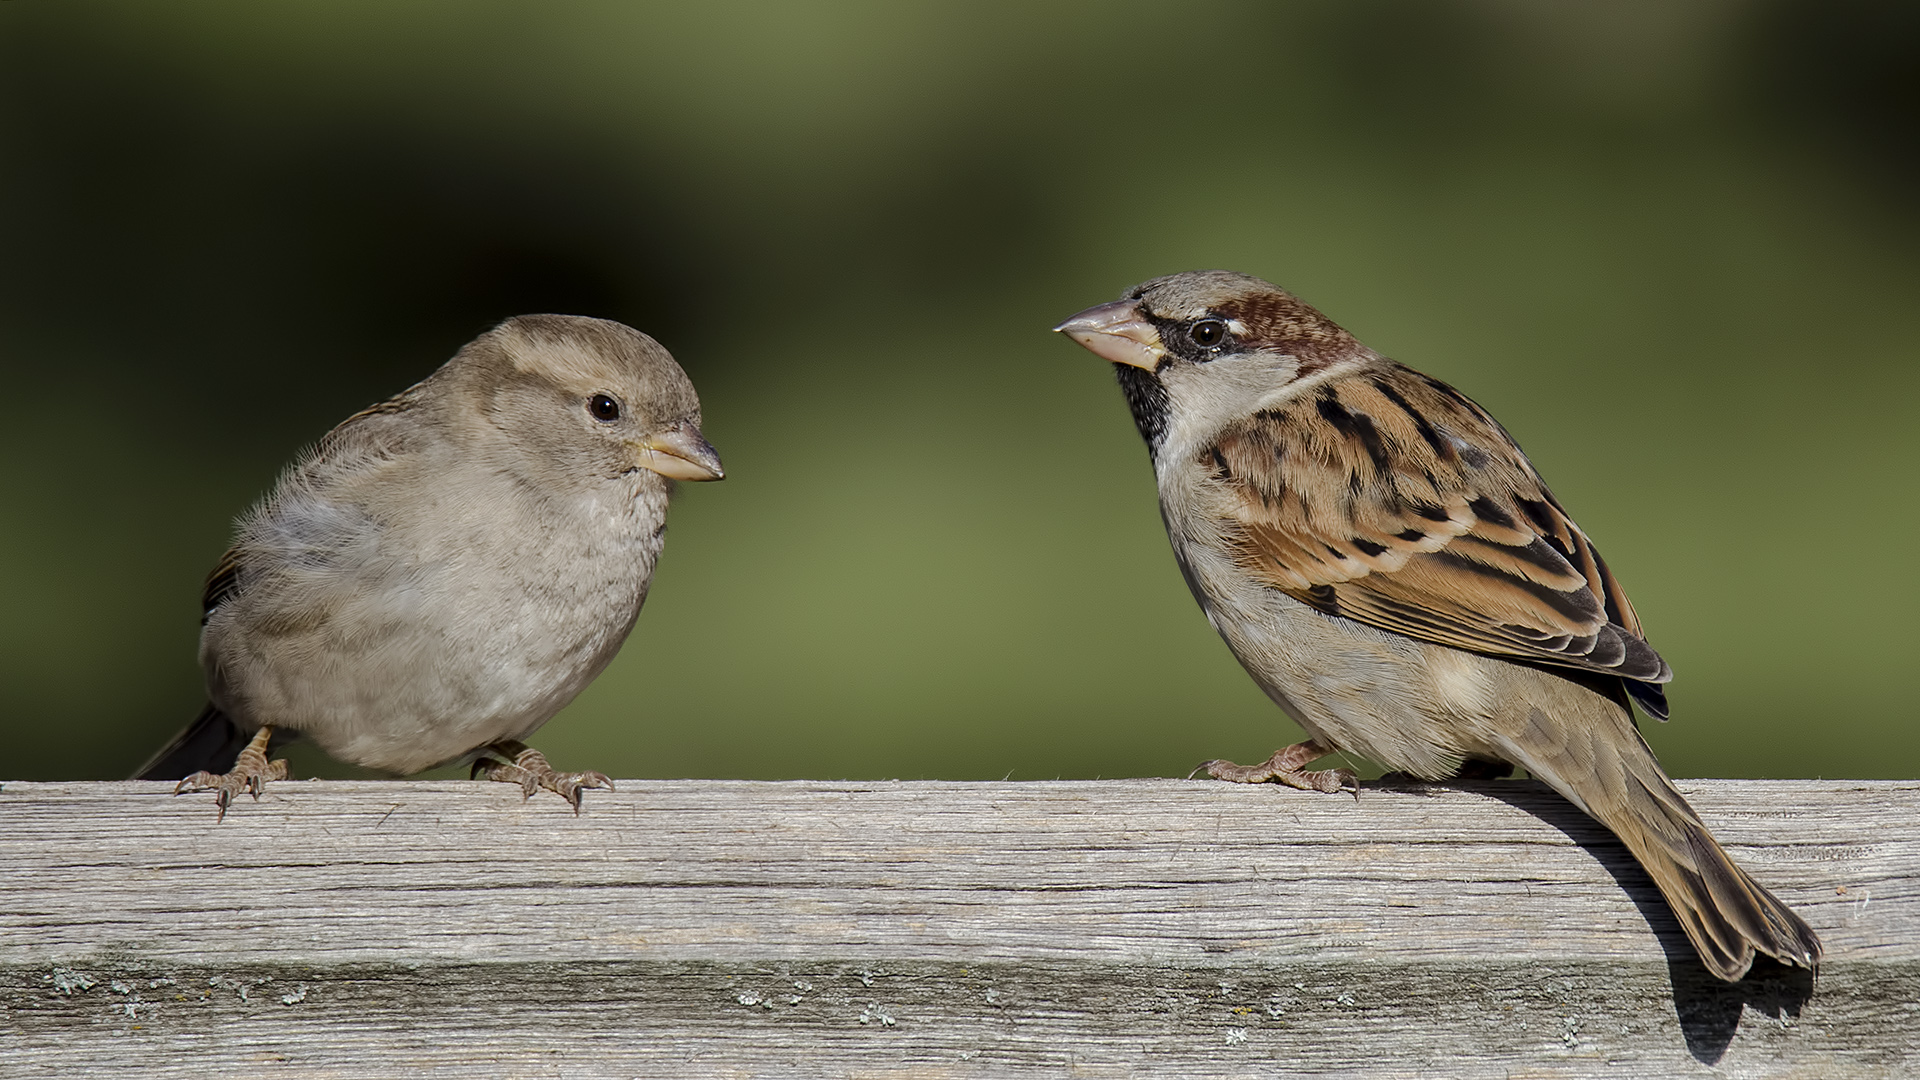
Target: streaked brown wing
{"points": [[1390, 498]]}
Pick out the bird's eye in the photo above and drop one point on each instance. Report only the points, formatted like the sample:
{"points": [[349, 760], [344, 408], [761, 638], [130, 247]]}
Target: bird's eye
{"points": [[603, 408], [1208, 332]]}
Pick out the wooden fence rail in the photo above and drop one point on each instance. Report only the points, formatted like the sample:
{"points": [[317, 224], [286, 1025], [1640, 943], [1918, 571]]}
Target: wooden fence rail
{"points": [[929, 929]]}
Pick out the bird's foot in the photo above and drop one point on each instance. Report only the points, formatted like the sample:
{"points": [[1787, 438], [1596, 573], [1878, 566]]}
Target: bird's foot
{"points": [[1287, 766], [250, 773], [518, 763]]}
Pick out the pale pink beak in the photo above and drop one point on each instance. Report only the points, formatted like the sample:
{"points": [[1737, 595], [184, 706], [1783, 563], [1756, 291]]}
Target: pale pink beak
{"points": [[1117, 332]]}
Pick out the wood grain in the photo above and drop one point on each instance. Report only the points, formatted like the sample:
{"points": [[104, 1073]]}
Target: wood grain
{"points": [[1110, 928]]}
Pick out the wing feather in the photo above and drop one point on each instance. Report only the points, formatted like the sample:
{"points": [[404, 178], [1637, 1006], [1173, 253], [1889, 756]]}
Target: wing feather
{"points": [[368, 428], [1392, 499]]}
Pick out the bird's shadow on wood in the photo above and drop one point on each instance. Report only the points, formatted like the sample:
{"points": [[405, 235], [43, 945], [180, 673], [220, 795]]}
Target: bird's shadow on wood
{"points": [[1708, 1009]]}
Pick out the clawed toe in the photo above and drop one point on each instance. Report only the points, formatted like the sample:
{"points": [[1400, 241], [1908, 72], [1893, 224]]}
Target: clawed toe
{"points": [[1285, 767], [250, 774], [528, 768], [507, 773], [1332, 781], [572, 786], [1222, 769]]}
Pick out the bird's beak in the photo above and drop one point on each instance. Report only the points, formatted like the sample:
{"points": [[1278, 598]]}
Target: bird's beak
{"points": [[680, 453], [1117, 332]]}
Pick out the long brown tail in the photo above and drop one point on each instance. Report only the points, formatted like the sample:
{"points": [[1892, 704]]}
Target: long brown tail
{"points": [[1603, 766]]}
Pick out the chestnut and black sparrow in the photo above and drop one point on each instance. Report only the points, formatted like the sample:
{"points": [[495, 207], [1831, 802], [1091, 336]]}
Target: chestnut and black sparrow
{"points": [[1388, 566]]}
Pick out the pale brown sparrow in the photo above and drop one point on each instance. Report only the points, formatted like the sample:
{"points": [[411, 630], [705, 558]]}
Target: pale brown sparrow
{"points": [[1388, 566], [448, 568]]}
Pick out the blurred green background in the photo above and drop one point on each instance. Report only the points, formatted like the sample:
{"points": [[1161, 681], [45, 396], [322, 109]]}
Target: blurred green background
{"points": [[1672, 246]]}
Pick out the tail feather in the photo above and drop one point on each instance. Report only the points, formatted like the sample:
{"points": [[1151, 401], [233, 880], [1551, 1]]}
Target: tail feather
{"points": [[212, 742], [1726, 914], [1603, 766]]}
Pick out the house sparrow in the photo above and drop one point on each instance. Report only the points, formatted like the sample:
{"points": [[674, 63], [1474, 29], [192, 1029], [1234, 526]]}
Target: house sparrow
{"points": [[448, 568], [1388, 566]]}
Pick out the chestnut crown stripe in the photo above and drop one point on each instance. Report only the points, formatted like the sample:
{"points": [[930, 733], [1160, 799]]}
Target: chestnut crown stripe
{"points": [[1271, 321]]}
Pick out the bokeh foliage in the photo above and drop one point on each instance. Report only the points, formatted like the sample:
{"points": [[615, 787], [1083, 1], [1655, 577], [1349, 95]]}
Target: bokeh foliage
{"points": [[1672, 246]]}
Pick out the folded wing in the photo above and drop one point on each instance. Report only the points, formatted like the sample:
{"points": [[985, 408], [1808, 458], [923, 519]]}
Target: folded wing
{"points": [[1394, 500]]}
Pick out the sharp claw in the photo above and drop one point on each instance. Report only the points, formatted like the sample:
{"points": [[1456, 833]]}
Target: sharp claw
{"points": [[529, 769], [1342, 780], [250, 773], [1286, 766], [573, 786]]}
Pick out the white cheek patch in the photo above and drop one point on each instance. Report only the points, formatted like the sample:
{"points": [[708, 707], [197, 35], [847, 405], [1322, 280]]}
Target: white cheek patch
{"points": [[1207, 397], [1286, 387]]}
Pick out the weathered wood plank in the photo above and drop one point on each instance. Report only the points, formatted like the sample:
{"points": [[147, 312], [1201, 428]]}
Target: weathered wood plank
{"points": [[1123, 928]]}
